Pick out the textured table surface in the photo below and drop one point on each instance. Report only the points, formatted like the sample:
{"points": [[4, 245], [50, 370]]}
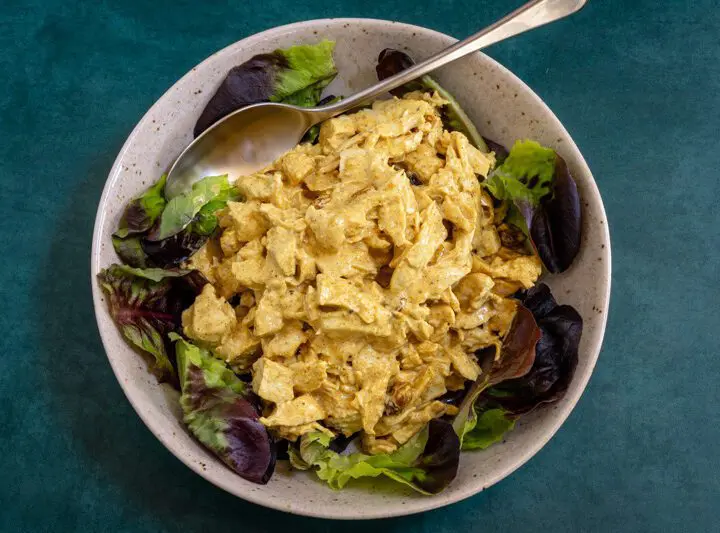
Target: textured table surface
{"points": [[636, 82]]}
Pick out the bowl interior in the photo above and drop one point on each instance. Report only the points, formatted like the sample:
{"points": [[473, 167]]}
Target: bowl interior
{"points": [[503, 108]]}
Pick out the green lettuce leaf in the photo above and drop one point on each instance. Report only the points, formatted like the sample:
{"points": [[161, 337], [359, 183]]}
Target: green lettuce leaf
{"points": [[181, 210], [308, 66], [486, 428], [454, 117], [141, 213], [525, 175], [427, 462], [308, 97], [146, 306], [220, 411], [130, 251], [206, 220]]}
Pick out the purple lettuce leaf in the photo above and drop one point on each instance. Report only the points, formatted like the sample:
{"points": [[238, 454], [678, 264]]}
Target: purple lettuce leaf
{"points": [[174, 250], [440, 458], [515, 360], [556, 356], [555, 227], [222, 413], [146, 305], [141, 213]]}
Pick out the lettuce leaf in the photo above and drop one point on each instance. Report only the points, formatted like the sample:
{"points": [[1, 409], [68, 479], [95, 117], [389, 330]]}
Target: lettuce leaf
{"points": [[296, 75], [130, 251], [156, 233], [544, 201], [181, 210], [309, 96], [138, 217], [172, 251], [555, 360], [427, 462], [487, 427], [220, 411], [515, 360], [146, 306], [206, 220], [307, 66], [391, 61], [525, 175], [141, 213]]}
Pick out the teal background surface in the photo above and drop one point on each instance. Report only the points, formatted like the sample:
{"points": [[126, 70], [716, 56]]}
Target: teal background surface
{"points": [[637, 84]]}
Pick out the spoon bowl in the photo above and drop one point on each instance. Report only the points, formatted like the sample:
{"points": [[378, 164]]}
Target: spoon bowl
{"points": [[241, 143]]}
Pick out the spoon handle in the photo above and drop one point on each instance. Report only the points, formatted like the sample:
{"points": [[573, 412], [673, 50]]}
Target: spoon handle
{"points": [[527, 17]]}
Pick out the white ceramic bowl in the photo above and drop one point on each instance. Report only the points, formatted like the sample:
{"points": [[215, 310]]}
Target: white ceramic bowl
{"points": [[503, 108]]}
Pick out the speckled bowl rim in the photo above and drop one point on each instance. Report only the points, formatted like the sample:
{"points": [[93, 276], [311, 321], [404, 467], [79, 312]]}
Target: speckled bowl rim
{"points": [[415, 505]]}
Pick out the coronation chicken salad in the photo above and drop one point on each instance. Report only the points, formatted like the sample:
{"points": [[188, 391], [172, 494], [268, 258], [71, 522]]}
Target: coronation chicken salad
{"points": [[366, 306], [361, 297]]}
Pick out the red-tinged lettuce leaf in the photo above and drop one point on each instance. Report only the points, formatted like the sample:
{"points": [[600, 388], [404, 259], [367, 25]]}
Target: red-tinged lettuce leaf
{"points": [[141, 213], [221, 412], [138, 217], [501, 153], [295, 75], [555, 359], [391, 61], [440, 458], [555, 229], [427, 463], [174, 250], [545, 201], [146, 305], [518, 349], [515, 360]]}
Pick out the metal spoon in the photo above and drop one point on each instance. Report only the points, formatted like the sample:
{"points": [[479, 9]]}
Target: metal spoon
{"points": [[251, 138]]}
